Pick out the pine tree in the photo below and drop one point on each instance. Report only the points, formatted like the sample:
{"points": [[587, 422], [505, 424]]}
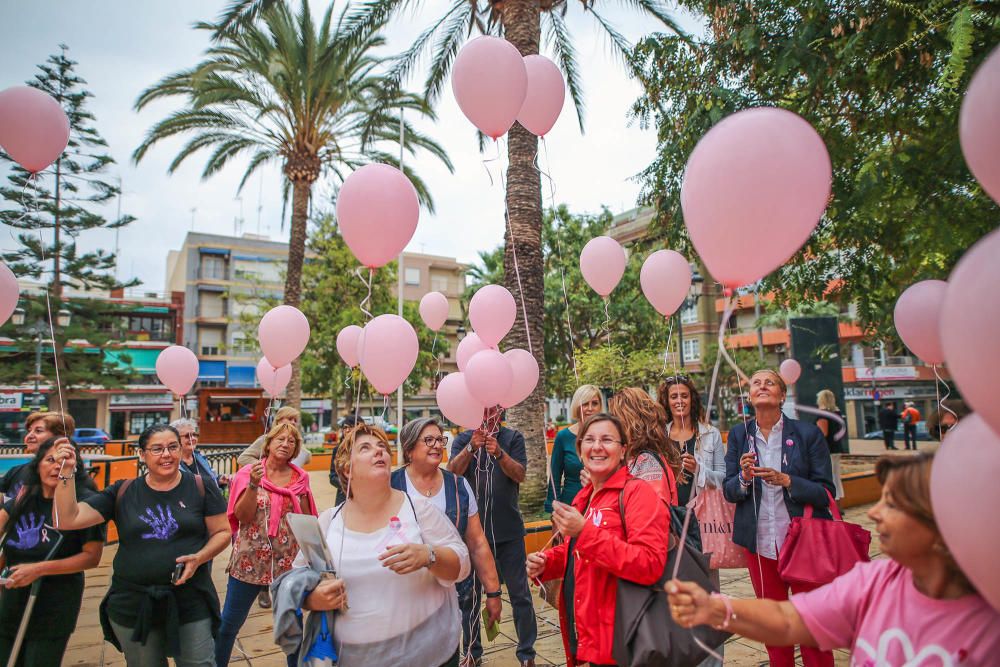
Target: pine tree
{"points": [[51, 210]]}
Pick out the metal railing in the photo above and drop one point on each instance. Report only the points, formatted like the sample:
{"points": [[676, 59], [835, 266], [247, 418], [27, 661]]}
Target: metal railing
{"points": [[15, 450]]}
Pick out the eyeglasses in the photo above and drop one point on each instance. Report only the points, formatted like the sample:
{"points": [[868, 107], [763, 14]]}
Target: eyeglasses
{"points": [[607, 442], [190, 436], [432, 441], [158, 450]]}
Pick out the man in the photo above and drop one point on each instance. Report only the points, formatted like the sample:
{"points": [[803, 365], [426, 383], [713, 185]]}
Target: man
{"points": [[493, 459], [910, 418], [39, 427], [191, 459], [888, 420]]}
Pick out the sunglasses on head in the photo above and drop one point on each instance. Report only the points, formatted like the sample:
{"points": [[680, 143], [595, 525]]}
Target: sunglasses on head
{"points": [[676, 379]]}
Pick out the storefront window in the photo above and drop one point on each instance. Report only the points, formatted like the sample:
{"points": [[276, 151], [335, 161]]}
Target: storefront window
{"points": [[231, 408], [140, 421]]}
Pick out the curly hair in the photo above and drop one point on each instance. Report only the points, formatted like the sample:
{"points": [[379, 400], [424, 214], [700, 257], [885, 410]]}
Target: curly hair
{"points": [[645, 424], [663, 397], [342, 459]]}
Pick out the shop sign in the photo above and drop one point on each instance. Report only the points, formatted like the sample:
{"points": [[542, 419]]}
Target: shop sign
{"points": [[121, 400], [887, 393], [886, 373], [11, 402]]}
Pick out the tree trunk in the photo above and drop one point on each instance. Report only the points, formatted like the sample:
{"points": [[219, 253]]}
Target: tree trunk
{"points": [[301, 189], [523, 255]]}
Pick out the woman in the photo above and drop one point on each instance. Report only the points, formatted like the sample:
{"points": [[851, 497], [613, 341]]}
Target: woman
{"points": [[170, 526], [649, 456], [31, 533], [913, 607], [600, 549], [942, 420], [262, 496], [825, 400], [412, 579], [775, 466], [423, 444], [191, 459], [38, 427], [703, 456], [565, 464]]}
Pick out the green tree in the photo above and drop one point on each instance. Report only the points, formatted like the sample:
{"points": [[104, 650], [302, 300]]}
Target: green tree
{"points": [[332, 295], [882, 84], [523, 23], [300, 94], [65, 200]]}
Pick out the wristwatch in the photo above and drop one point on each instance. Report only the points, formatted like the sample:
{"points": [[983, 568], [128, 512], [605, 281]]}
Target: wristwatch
{"points": [[431, 558], [500, 455], [469, 448], [493, 595]]}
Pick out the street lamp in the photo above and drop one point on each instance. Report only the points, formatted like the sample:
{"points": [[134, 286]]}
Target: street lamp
{"points": [[694, 293], [36, 330]]}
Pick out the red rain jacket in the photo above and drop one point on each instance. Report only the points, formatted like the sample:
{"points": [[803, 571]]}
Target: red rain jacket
{"points": [[603, 555]]}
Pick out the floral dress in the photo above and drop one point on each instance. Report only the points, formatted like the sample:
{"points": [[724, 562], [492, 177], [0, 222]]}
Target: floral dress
{"points": [[259, 559]]}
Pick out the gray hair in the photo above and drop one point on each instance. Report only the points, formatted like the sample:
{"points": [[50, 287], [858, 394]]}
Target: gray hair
{"points": [[184, 422], [410, 433]]}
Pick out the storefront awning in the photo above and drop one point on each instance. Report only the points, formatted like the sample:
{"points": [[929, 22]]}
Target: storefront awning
{"points": [[214, 251], [211, 370], [140, 361], [242, 376]]}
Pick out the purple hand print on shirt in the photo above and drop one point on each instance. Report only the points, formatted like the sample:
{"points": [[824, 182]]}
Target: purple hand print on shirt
{"points": [[161, 521], [29, 529]]}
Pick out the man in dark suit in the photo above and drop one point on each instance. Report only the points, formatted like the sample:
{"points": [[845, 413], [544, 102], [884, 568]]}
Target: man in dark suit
{"points": [[888, 420]]}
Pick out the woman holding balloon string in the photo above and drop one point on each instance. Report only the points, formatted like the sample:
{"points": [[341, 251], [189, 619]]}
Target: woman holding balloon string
{"points": [[914, 606]]}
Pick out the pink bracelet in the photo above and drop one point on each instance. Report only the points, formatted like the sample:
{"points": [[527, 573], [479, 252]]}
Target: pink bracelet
{"points": [[730, 615]]}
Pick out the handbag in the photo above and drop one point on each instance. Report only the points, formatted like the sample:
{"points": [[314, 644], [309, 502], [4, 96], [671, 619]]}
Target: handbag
{"points": [[715, 518], [645, 634], [817, 551], [677, 513]]}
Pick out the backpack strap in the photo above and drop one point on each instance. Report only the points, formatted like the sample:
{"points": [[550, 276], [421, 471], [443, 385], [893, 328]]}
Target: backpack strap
{"points": [[123, 488]]}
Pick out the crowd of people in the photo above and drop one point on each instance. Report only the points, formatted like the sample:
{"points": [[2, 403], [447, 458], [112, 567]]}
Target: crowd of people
{"points": [[418, 557]]}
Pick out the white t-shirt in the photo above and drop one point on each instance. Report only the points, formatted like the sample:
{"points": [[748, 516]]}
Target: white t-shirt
{"points": [[426, 623], [439, 500]]}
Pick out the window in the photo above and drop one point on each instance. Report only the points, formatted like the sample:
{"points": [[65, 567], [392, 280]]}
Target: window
{"points": [[439, 284], [692, 349], [240, 345], [212, 304], [210, 341], [689, 313], [213, 267], [412, 276], [140, 421]]}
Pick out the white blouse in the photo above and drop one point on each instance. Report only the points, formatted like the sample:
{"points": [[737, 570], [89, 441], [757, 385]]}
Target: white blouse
{"points": [[395, 619]]}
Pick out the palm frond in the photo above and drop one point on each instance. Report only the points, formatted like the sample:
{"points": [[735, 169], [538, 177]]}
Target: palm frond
{"points": [[445, 50], [240, 14], [621, 45], [658, 11], [562, 43]]}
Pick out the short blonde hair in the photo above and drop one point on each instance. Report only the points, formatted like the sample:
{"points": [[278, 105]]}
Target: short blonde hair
{"points": [[777, 376], [278, 429], [825, 400], [342, 460], [287, 412], [584, 393], [54, 422]]}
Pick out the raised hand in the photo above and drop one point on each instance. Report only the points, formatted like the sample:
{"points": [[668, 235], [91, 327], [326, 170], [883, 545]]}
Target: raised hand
{"points": [[29, 532], [161, 521]]}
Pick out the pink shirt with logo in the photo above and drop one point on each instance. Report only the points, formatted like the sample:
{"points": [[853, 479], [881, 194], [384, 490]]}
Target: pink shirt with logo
{"points": [[877, 611]]}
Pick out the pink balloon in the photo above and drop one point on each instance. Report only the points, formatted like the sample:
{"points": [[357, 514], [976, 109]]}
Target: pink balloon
{"points": [[347, 344], [490, 82], [390, 352], [34, 129], [492, 312], [9, 293], [273, 380], [546, 94], [283, 334], [177, 368], [489, 376], [918, 318], [977, 125], [754, 188], [434, 309], [665, 279], [602, 263], [970, 320], [467, 348], [790, 370], [377, 212], [965, 496], [525, 376], [457, 403]]}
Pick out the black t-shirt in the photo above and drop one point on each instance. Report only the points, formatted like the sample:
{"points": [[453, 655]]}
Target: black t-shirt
{"points": [[154, 528], [14, 479], [496, 493], [31, 540], [684, 490]]}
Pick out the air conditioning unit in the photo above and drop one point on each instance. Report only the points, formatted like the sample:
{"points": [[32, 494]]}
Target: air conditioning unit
{"points": [[780, 349]]}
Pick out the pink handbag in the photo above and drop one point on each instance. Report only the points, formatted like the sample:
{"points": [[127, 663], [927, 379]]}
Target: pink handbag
{"points": [[715, 518], [817, 551]]}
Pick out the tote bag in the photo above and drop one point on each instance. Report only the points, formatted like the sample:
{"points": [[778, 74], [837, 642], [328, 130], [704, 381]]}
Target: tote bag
{"points": [[715, 519]]}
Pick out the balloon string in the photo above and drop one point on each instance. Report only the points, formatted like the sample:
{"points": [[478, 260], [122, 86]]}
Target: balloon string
{"points": [[947, 393], [487, 161], [368, 297], [833, 416], [517, 268], [434, 354], [666, 351], [562, 270], [607, 319]]}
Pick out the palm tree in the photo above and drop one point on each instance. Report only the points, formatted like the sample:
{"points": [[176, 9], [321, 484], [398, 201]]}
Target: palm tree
{"points": [[520, 22], [282, 91]]}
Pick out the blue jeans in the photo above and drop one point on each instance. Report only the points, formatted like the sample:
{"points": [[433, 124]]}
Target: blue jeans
{"points": [[240, 597]]}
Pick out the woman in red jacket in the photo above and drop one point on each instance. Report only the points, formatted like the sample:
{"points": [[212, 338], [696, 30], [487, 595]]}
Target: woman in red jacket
{"points": [[598, 552]]}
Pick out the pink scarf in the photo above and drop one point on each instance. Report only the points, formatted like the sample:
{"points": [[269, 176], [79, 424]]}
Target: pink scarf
{"points": [[280, 496]]}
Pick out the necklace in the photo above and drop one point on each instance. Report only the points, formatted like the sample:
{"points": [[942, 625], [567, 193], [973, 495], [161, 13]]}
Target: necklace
{"points": [[429, 492]]}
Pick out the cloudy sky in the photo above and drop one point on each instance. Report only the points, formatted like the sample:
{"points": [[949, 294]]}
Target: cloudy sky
{"points": [[123, 46]]}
